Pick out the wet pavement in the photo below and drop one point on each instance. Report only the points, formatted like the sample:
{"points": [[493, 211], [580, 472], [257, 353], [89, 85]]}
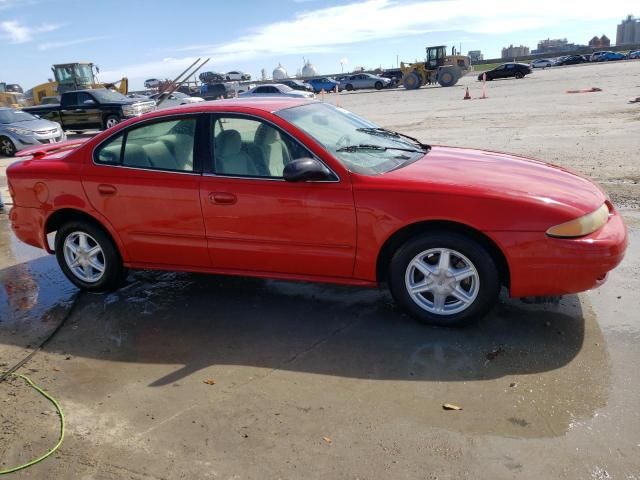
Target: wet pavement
{"points": [[194, 376]]}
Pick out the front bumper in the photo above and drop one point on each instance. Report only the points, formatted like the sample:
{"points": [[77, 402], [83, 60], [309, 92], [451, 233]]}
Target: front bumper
{"points": [[540, 265], [24, 141]]}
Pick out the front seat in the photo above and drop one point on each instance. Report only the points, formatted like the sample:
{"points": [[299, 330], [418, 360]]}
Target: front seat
{"points": [[274, 151], [230, 158]]}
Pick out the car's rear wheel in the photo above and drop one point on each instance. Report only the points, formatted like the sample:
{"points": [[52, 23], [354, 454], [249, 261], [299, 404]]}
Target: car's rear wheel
{"points": [[444, 279], [7, 148], [519, 75], [88, 257]]}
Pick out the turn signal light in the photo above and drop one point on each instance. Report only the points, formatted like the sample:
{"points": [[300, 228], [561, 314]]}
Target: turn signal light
{"points": [[581, 226]]}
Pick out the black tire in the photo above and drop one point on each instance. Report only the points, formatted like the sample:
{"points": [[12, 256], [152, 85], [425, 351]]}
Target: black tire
{"points": [[7, 148], [411, 81], [110, 121], [486, 289], [519, 75], [114, 271], [378, 86], [448, 77], [349, 87]]}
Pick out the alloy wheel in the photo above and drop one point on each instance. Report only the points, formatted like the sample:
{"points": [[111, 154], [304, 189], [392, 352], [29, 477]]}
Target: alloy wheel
{"points": [[84, 257], [442, 281]]}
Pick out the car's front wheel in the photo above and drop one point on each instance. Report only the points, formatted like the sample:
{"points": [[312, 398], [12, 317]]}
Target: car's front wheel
{"points": [[519, 75], [111, 121], [7, 148], [378, 86], [88, 257], [444, 279]]}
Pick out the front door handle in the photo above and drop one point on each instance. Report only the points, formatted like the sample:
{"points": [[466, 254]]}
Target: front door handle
{"points": [[105, 189], [222, 198]]}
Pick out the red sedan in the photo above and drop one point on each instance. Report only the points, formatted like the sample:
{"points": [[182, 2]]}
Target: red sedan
{"points": [[302, 190]]}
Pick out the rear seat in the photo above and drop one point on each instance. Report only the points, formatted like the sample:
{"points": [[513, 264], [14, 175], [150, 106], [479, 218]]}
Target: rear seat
{"points": [[168, 152]]}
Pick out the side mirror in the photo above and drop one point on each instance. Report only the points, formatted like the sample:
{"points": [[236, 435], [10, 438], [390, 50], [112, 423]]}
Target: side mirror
{"points": [[306, 170]]}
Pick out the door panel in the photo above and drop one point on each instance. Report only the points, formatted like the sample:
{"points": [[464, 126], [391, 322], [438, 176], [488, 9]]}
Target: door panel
{"points": [[277, 226], [156, 213]]}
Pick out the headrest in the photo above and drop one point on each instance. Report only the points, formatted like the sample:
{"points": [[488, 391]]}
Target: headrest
{"points": [[229, 142], [266, 135]]}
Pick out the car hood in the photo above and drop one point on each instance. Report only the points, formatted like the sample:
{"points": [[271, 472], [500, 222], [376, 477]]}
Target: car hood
{"points": [[33, 125], [480, 173]]}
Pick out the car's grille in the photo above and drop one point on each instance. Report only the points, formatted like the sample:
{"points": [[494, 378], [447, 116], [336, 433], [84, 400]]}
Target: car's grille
{"points": [[46, 132]]}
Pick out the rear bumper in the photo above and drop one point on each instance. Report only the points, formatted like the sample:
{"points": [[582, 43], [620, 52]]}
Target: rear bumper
{"points": [[28, 226], [540, 265]]}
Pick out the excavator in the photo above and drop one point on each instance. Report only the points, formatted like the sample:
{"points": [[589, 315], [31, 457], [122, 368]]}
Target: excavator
{"points": [[73, 76], [437, 67]]}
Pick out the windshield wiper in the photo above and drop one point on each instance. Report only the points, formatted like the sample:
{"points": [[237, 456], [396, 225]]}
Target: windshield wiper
{"points": [[375, 148], [390, 133]]}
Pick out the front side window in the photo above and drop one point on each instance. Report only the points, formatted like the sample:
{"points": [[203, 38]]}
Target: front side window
{"points": [[246, 147], [358, 144], [85, 99], [166, 145]]}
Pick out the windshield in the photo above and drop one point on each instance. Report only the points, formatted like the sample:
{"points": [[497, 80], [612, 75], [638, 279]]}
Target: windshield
{"points": [[360, 145], [15, 116], [105, 95]]}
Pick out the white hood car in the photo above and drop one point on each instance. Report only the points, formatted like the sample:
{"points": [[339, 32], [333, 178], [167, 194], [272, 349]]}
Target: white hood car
{"points": [[276, 90], [174, 99]]}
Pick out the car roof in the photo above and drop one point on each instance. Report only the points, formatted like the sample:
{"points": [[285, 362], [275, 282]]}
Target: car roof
{"points": [[267, 104]]}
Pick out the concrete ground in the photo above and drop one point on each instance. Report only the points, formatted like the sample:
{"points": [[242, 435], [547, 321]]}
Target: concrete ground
{"points": [[193, 376]]}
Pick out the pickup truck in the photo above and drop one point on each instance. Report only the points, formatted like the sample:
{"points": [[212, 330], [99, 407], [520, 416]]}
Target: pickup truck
{"points": [[95, 109]]}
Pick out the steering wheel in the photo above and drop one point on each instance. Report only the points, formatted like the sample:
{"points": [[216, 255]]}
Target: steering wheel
{"points": [[343, 141]]}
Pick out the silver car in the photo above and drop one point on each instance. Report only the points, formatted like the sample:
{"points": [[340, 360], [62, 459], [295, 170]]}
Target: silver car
{"points": [[20, 130], [365, 80], [276, 90]]}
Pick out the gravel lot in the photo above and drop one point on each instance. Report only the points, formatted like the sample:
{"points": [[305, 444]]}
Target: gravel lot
{"points": [[201, 377]]}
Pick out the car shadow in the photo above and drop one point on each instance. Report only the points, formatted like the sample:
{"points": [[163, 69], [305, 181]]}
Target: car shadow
{"points": [[196, 321]]}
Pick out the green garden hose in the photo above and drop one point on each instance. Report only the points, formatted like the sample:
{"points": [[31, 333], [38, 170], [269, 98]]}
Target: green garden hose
{"points": [[61, 415]]}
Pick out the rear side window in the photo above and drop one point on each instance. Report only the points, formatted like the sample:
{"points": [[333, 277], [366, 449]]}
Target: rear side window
{"points": [[166, 145]]}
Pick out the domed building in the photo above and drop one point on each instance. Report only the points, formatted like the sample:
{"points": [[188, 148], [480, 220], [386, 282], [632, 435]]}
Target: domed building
{"points": [[309, 70], [279, 73]]}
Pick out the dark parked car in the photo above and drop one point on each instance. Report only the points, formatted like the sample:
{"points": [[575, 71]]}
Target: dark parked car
{"points": [[92, 109], [572, 60], [506, 70], [297, 85], [213, 91]]}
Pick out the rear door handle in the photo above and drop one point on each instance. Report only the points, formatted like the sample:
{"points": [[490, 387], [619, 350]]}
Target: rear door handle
{"points": [[105, 189], [222, 198]]}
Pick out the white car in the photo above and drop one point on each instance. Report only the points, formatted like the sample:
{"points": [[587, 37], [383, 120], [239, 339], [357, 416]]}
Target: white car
{"points": [[541, 63], [276, 90], [237, 75], [174, 99]]}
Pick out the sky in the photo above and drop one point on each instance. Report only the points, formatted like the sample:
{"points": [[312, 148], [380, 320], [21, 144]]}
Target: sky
{"points": [[144, 39]]}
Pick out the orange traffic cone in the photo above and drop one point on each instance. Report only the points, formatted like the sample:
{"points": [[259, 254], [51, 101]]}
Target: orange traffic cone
{"points": [[466, 95]]}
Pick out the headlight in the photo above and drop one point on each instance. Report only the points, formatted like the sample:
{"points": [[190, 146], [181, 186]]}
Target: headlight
{"points": [[582, 226], [19, 131], [128, 110]]}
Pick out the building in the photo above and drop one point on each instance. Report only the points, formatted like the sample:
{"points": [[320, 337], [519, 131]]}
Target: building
{"points": [[514, 52], [555, 45], [475, 55], [628, 32], [602, 42]]}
